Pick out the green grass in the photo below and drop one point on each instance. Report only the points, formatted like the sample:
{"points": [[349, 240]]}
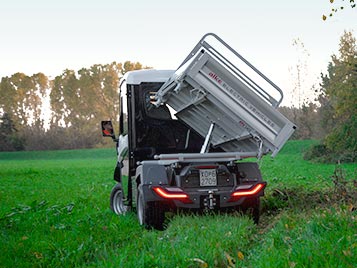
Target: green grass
{"points": [[326, 238], [55, 213]]}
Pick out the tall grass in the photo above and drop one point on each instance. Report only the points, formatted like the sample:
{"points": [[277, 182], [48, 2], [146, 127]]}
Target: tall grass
{"points": [[55, 213]]}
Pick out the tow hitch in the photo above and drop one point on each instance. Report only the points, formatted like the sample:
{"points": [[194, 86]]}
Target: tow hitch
{"points": [[210, 201]]}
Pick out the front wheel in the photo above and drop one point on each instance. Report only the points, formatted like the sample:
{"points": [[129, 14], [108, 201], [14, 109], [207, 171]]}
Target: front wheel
{"points": [[117, 200], [150, 215]]}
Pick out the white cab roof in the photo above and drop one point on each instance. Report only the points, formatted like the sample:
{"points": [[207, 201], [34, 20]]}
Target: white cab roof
{"points": [[147, 75]]}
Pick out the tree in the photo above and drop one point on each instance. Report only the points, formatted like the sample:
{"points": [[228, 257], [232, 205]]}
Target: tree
{"points": [[339, 96], [79, 100], [9, 138], [302, 110], [21, 106], [299, 73], [131, 66], [21, 97]]}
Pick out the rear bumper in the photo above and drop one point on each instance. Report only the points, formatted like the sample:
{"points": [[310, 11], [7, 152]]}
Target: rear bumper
{"points": [[201, 198]]}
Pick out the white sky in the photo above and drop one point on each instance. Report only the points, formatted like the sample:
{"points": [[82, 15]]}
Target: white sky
{"points": [[49, 36]]}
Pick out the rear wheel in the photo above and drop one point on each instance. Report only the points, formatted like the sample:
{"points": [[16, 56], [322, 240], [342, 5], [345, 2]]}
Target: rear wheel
{"points": [[150, 215], [251, 207], [117, 200]]}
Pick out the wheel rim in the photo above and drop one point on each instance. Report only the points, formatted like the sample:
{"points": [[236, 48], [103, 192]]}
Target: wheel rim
{"points": [[140, 210], [118, 203]]}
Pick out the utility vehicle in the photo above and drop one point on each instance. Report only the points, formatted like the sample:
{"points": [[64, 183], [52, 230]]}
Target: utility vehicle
{"points": [[185, 132]]}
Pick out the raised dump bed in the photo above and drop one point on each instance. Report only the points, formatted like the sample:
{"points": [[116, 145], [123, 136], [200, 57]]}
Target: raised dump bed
{"points": [[218, 98]]}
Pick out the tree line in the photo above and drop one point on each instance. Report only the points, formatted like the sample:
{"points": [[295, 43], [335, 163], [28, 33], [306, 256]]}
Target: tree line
{"points": [[77, 101], [38, 113]]}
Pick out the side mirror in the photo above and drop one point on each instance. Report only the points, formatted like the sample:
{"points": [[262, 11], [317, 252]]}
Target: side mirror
{"points": [[107, 129]]}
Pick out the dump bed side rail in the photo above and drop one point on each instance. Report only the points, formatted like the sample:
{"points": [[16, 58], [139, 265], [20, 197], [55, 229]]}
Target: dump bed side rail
{"points": [[258, 89]]}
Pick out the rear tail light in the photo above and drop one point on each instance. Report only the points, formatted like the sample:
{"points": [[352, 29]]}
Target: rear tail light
{"points": [[172, 193], [243, 191]]}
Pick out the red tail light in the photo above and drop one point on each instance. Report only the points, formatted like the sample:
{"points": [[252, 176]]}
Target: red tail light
{"points": [[173, 193], [246, 192]]}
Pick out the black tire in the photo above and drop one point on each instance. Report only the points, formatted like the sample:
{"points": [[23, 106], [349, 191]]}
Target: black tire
{"points": [[150, 215], [117, 200]]}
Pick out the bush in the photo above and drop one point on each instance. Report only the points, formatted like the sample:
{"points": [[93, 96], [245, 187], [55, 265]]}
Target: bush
{"points": [[322, 154], [317, 152], [343, 140]]}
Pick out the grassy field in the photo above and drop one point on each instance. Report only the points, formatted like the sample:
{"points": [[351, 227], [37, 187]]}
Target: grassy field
{"points": [[55, 213]]}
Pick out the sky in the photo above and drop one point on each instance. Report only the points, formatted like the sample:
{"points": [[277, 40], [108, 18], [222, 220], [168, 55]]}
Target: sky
{"points": [[50, 36]]}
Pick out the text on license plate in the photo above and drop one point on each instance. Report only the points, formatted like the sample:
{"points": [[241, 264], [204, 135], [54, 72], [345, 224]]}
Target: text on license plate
{"points": [[208, 177]]}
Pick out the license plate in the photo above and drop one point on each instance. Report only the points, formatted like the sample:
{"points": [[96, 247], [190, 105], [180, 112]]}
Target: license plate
{"points": [[208, 177]]}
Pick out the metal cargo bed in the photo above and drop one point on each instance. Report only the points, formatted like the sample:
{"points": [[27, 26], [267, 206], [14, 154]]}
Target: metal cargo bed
{"points": [[235, 104]]}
